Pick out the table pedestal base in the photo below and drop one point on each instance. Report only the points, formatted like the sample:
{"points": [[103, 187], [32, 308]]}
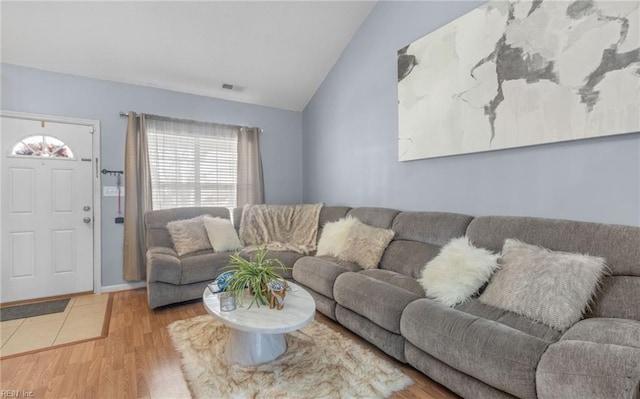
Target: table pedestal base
{"points": [[250, 349]]}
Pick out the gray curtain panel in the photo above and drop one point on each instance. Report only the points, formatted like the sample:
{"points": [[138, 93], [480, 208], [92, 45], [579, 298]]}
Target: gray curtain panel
{"points": [[137, 180], [250, 188]]}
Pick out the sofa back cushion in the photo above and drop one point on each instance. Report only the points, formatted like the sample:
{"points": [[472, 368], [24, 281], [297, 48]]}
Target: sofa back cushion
{"points": [[331, 214], [156, 222], [376, 217], [236, 217], [619, 295], [419, 237]]}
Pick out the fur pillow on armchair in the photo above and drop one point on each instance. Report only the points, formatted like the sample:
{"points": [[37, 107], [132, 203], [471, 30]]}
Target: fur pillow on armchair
{"points": [[458, 272], [222, 235], [189, 235]]}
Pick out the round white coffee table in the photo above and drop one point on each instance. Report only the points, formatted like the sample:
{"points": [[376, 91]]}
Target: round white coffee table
{"points": [[257, 334]]}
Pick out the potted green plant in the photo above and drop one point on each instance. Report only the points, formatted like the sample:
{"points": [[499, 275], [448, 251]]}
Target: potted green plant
{"points": [[255, 274]]}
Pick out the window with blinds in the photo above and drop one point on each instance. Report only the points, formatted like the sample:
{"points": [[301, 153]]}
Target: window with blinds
{"points": [[192, 163]]}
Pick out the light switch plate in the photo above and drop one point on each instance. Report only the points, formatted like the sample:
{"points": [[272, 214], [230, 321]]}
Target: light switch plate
{"points": [[112, 191]]}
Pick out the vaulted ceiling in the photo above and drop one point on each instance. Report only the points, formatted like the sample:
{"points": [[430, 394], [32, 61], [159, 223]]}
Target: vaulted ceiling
{"points": [[278, 51]]}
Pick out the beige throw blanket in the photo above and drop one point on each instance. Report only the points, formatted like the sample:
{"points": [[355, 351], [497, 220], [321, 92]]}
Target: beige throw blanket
{"points": [[280, 227]]}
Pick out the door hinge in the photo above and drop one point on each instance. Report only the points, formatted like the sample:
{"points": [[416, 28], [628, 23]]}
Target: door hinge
{"points": [[97, 168]]}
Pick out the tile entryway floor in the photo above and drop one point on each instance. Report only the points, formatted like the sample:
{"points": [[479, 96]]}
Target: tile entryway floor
{"points": [[83, 318]]}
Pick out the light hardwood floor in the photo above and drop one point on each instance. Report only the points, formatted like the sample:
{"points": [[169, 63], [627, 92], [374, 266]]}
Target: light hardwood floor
{"points": [[137, 360]]}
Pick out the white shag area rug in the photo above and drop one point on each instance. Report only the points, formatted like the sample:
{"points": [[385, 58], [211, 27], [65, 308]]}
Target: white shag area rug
{"points": [[318, 363]]}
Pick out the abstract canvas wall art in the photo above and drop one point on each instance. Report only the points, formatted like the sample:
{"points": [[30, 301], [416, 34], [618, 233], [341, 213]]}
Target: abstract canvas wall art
{"points": [[511, 74]]}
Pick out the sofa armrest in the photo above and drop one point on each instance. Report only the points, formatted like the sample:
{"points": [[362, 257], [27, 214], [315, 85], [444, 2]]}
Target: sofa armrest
{"points": [[163, 265], [580, 369], [164, 250]]}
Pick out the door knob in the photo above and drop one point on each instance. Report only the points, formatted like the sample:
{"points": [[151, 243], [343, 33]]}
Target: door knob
{"points": [[86, 219], [86, 208]]}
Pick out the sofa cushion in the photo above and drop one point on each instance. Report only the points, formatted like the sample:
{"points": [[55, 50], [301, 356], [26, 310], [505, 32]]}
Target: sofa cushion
{"points": [[202, 266], [494, 353], [435, 228], [408, 257], [393, 278], [189, 235], [606, 331], [551, 287], [577, 369], [618, 296], [596, 357], [390, 343], [378, 301], [324, 305], [510, 319], [320, 272], [376, 217], [236, 217], [458, 272], [616, 243], [419, 237], [457, 381]]}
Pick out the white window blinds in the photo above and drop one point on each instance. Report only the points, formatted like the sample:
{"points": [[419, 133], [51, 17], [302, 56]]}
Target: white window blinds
{"points": [[192, 163]]}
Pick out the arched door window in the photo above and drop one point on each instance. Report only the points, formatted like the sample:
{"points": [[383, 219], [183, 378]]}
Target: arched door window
{"points": [[43, 147]]}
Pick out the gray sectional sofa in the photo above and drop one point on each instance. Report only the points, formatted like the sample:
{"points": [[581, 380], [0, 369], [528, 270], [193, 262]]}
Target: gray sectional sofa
{"points": [[474, 349]]}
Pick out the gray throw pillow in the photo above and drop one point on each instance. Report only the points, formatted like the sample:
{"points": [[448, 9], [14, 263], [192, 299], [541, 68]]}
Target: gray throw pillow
{"points": [[365, 245], [189, 235], [550, 287]]}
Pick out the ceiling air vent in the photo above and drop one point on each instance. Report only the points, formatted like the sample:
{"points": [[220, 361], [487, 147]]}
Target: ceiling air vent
{"points": [[232, 87]]}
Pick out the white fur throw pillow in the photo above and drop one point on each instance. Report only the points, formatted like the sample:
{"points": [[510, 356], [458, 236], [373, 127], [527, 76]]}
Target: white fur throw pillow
{"points": [[188, 235], [365, 245], [334, 236], [550, 287], [458, 272], [222, 235]]}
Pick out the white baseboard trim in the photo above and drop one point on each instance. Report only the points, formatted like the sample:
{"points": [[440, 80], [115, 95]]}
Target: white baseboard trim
{"points": [[124, 287]]}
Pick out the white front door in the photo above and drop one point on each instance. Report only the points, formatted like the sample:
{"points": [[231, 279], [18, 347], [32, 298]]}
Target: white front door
{"points": [[47, 209]]}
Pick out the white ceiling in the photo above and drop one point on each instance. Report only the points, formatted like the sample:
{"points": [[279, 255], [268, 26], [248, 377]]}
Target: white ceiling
{"points": [[280, 51]]}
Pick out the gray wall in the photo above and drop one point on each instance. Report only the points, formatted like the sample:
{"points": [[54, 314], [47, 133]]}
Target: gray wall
{"points": [[36, 91], [350, 134]]}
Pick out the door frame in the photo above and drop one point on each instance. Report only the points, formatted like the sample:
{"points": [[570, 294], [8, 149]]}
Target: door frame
{"points": [[97, 197]]}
